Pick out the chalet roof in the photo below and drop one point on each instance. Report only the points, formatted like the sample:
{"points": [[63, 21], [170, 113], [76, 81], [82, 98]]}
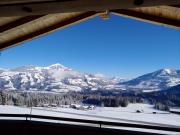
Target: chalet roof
{"points": [[23, 20]]}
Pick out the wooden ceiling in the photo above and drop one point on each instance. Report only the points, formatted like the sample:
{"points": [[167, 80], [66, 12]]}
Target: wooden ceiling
{"points": [[23, 20]]}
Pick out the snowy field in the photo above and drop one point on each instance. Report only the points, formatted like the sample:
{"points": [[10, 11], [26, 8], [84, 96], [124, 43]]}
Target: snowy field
{"points": [[103, 113], [119, 114]]}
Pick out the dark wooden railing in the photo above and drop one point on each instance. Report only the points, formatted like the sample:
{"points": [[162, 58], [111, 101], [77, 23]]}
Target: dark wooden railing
{"points": [[29, 117]]}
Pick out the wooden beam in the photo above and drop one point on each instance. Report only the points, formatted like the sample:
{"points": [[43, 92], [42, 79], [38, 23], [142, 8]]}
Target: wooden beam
{"points": [[61, 24], [104, 15], [18, 22], [177, 6], [63, 6], [22, 1], [148, 18]]}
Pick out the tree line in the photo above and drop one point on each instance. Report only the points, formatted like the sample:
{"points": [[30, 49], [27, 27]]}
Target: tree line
{"points": [[161, 100], [111, 101], [38, 98]]}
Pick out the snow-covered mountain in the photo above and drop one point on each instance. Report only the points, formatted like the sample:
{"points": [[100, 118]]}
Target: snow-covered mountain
{"points": [[57, 78], [158, 80]]}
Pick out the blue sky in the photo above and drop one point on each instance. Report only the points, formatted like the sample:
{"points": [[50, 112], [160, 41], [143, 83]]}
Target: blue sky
{"points": [[116, 47]]}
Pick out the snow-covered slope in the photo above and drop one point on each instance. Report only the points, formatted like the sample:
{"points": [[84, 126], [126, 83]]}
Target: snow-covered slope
{"points": [[57, 78], [158, 80]]}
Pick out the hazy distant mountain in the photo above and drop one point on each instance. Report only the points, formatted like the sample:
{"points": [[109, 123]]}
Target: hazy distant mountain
{"points": [[158, 80], [58, 78]]}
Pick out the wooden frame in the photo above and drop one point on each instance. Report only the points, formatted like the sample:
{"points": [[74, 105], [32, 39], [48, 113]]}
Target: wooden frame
{"points": [[39, 7], [20, 19], [163, 21], [46, 29]]}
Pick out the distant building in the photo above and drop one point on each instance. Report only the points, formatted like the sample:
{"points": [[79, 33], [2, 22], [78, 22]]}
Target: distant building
{"points": [[139, 111], [53, 105], [45, 105], [82, 107], [175, 110], [65, 106], [91, 107], [75, 106]]}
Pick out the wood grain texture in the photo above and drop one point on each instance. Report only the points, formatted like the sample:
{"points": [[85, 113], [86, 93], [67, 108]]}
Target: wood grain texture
{"points": [[41, 26], [48, 7]]}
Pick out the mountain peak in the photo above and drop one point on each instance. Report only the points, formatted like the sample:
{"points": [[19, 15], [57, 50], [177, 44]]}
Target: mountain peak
{"points": [[168, 71], [158, 80], [58, 66]]}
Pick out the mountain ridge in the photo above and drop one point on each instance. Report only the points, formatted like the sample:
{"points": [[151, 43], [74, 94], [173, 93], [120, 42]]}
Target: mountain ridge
{"points": [[59, 78], [158, 80]]}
